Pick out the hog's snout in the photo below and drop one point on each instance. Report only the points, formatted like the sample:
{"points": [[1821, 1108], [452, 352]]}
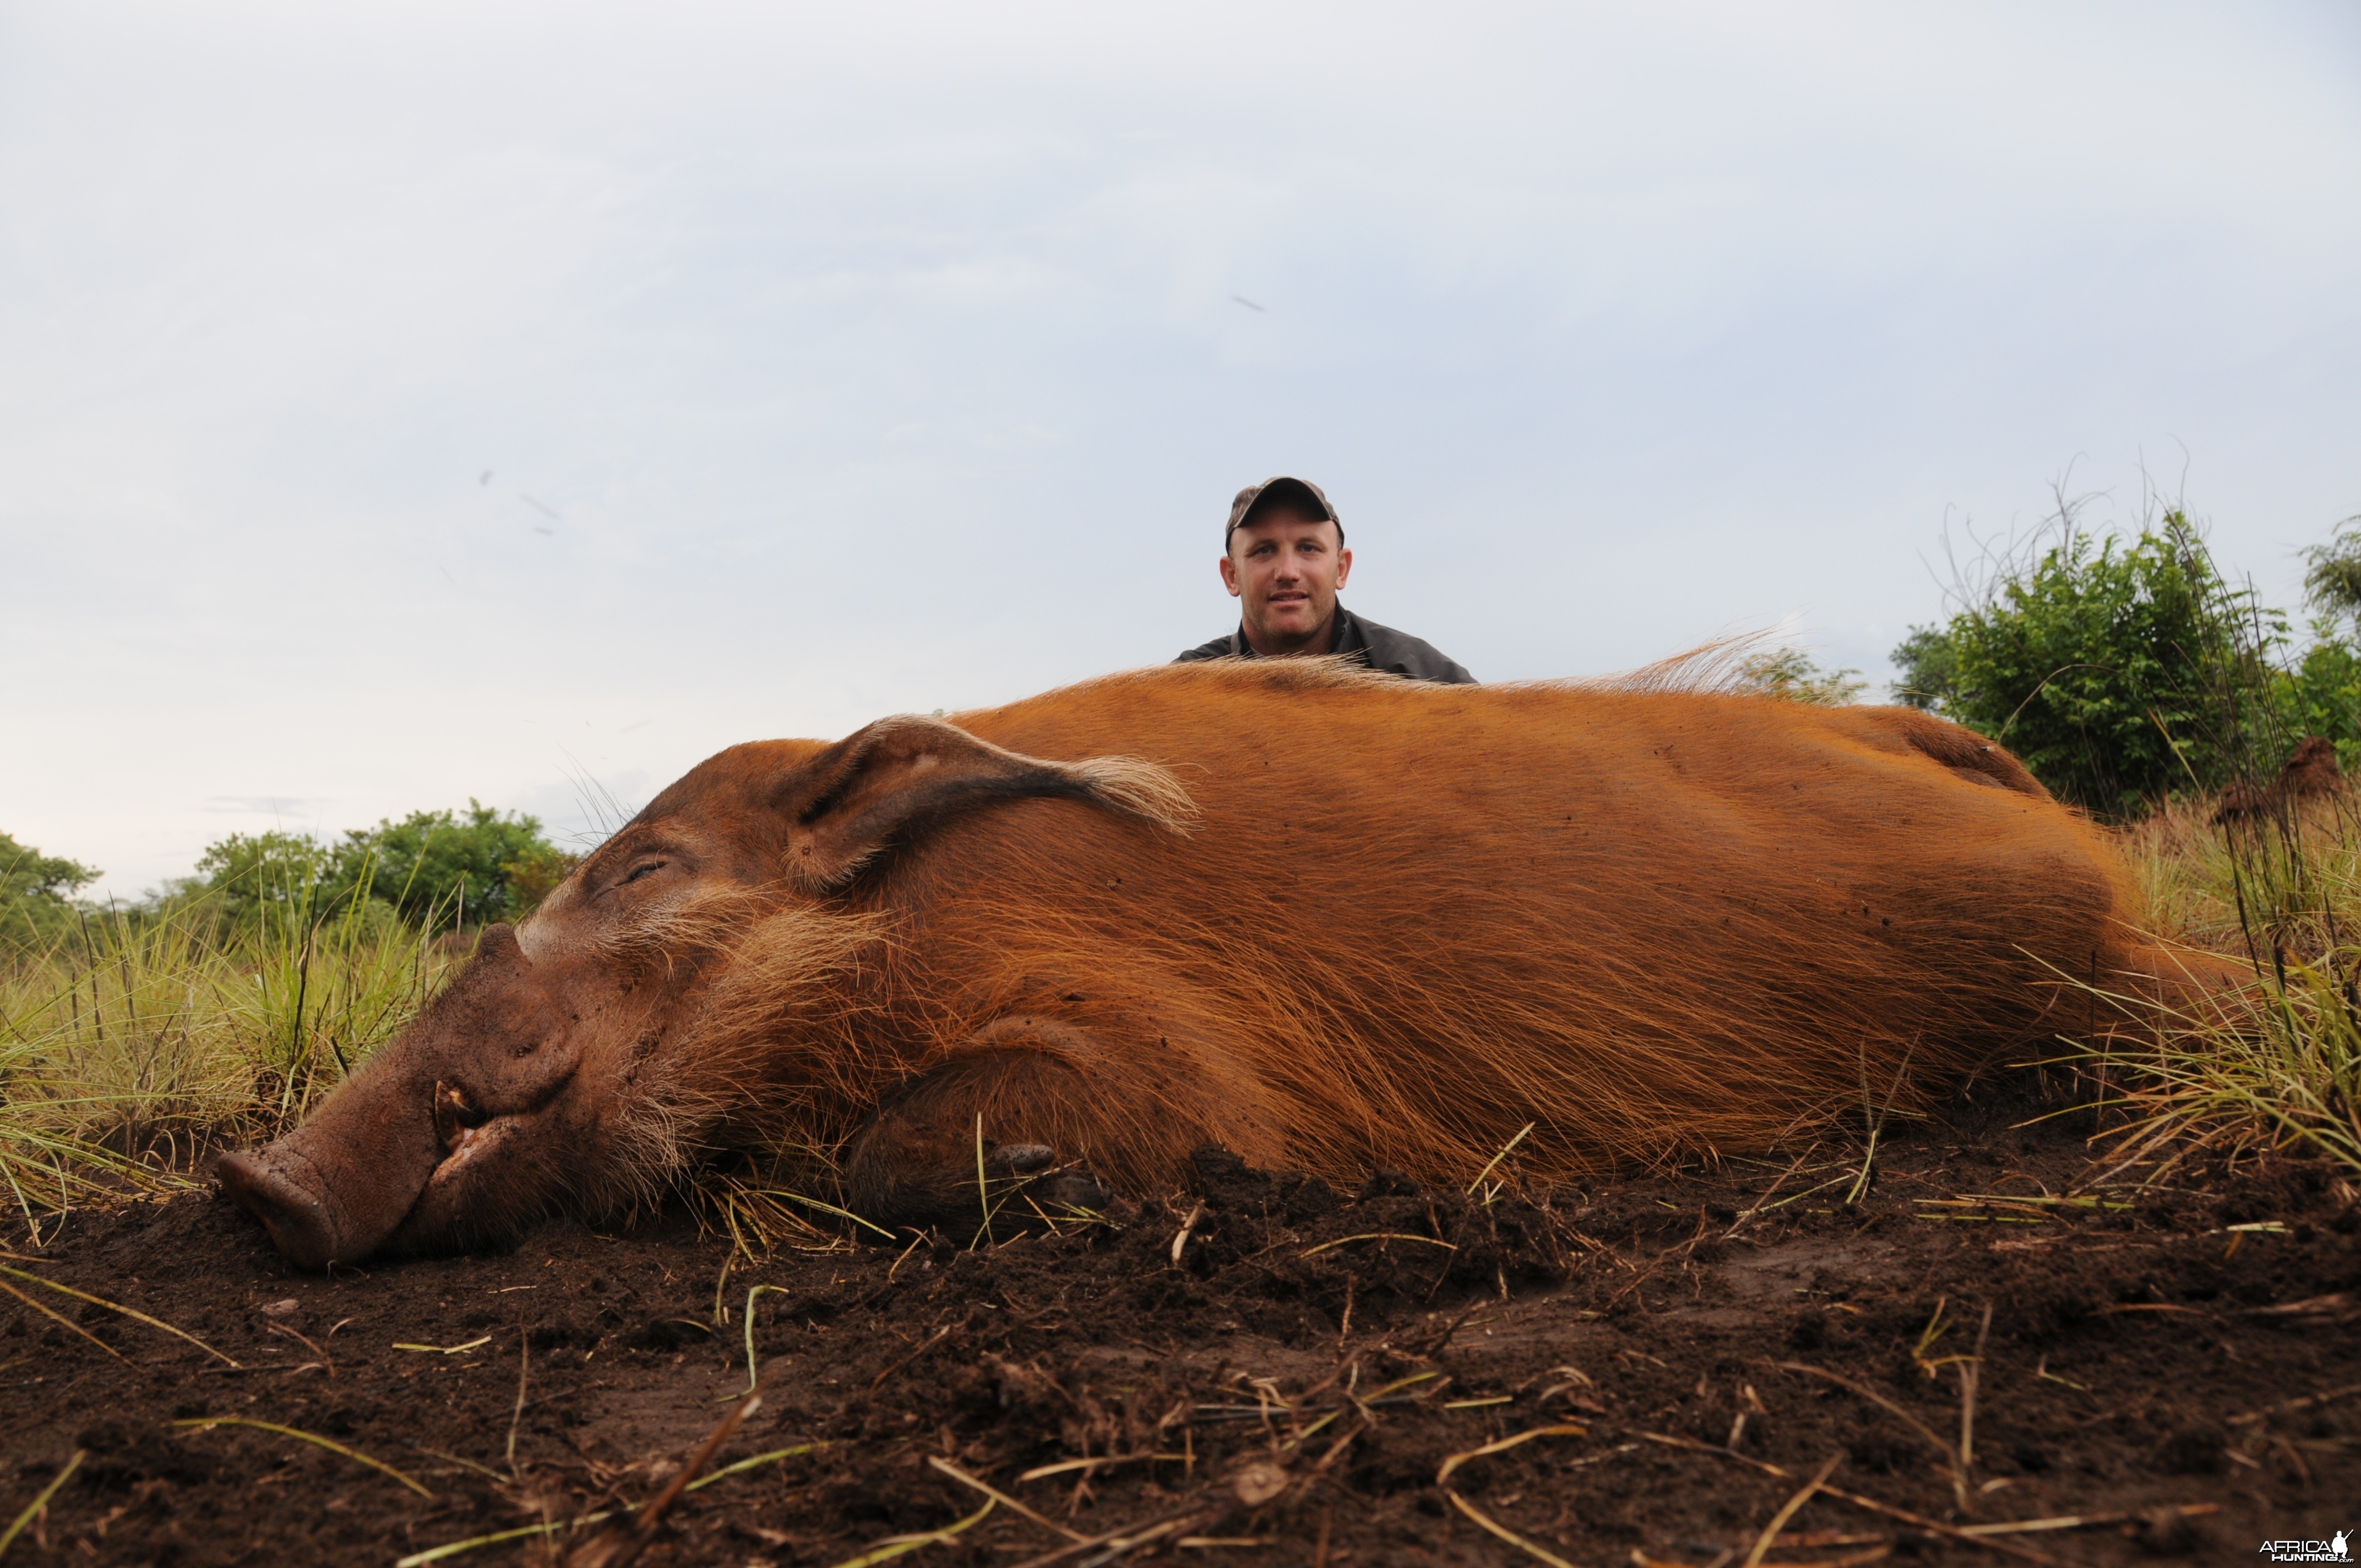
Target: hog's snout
{"points": [[295, 1211], [334, 1189], [444, 1137]]}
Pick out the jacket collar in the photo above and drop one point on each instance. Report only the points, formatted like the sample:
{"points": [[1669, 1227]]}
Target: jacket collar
{"points": [[1347, 638]]}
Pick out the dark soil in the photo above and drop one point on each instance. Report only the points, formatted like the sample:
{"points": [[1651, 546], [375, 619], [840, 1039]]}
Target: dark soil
{"points": [[1285, 1394]]}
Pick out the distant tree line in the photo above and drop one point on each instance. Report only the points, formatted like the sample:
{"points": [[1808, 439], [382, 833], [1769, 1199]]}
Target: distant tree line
{"points": [[436, 870]]}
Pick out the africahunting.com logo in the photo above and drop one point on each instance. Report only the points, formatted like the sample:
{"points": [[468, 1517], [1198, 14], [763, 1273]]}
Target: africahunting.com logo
{"points": [[2336, 1550]]}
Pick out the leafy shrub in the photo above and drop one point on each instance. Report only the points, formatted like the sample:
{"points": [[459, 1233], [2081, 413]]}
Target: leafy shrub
{"points": [[1792, 674], [2118, 671], [2322, 694], [441, 868], [36, 892]]}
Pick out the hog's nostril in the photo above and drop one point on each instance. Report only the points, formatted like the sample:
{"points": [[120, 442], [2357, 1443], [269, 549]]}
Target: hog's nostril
{"points": [[298, 1222]]}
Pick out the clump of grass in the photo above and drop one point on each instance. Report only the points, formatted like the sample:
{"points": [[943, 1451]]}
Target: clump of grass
{"points": [[2278, 1065], [131, 1044], [2288, 879]]}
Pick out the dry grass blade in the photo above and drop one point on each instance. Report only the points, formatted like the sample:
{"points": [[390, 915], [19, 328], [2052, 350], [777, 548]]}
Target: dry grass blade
{"points": [[63, 1320], [616, 1547], [208, 1422], [824, 1208], [325, 1362], [1789, 1510], [463, 1462], [435, 1555], [1002, 1498], [893, 1546], [1506, 1149], [1456, 1460], [524, 1363], [1768, 1193], [1486, 1522], [2078, 1521], [1121, 1539], [1916, 1522], [1067, 1466], [453, 1549], [2292, 1405], [443, 1349], [925, 1345], [751, 1297], [1378, 1236], [756, 1461], [1950, 1454], [113, 1306], [41, 1500], [1972, 1376], [1188, 1228]]}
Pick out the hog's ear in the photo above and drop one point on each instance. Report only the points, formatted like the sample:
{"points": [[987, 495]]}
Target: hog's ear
{"points": [[847, 802]]}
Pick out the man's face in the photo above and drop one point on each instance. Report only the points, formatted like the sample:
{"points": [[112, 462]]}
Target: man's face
{"points": [[1285, 567]]}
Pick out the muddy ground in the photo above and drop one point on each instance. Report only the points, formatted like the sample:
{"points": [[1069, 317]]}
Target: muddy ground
{"points": [[2180, 1363]]}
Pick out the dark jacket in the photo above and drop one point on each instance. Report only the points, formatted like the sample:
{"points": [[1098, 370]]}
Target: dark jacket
{"points": [[1364, 642]]}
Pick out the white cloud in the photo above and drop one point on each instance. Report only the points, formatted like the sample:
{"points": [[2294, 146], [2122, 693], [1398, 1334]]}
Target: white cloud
{"points": [[886, 358]]}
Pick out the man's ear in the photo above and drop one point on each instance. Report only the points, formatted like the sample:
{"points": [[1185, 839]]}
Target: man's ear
{"points": [[850, 801]]}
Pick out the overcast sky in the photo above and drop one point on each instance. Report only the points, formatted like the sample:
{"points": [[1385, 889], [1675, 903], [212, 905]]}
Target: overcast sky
{"points": [[409, 402]]}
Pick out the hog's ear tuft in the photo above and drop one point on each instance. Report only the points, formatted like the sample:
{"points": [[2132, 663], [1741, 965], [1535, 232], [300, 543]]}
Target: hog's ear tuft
{"points": [[847, 802]]}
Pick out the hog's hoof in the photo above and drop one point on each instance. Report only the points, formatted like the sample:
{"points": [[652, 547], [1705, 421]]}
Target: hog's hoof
{"points": [[1019, 1159], [1065, 1194], [1019, 1188]]}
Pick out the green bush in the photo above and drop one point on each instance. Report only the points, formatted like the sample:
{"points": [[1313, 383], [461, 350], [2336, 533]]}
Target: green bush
{"points": [[2122, 671], [2325, 694], [2118, 671], [36, 893], [443, 868], [2322, 694]]}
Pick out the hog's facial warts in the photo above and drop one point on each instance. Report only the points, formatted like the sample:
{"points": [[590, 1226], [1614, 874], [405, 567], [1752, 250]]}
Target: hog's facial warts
{"points": [[587, 1058]]}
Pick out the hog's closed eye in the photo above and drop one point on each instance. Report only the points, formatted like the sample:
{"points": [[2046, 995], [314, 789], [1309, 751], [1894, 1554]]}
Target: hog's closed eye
{"points": [[639, 871]]}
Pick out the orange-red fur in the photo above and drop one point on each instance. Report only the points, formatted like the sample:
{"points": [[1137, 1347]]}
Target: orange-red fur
{"points": [[1414, 917]]}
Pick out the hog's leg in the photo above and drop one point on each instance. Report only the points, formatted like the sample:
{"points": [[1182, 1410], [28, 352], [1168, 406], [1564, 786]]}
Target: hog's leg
{"points": [[925, 1161], [1062, 1113]]}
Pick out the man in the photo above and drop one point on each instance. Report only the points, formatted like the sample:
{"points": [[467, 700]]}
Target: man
{"points": [[1283, 557]]}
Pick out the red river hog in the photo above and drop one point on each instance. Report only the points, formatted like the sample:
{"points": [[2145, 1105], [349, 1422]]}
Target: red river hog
{"points": [[1328, 919]]}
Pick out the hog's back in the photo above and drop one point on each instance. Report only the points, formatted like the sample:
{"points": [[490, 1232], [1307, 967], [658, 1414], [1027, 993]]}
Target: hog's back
{"points": [[1413, 914]]}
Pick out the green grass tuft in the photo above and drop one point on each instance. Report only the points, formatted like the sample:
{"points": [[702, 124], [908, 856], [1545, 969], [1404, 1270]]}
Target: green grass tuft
{"points": [[130, 1045]]}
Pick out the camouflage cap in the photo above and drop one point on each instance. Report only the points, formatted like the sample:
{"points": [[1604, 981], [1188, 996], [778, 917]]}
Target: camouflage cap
{"points": [[1299, 495]]}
